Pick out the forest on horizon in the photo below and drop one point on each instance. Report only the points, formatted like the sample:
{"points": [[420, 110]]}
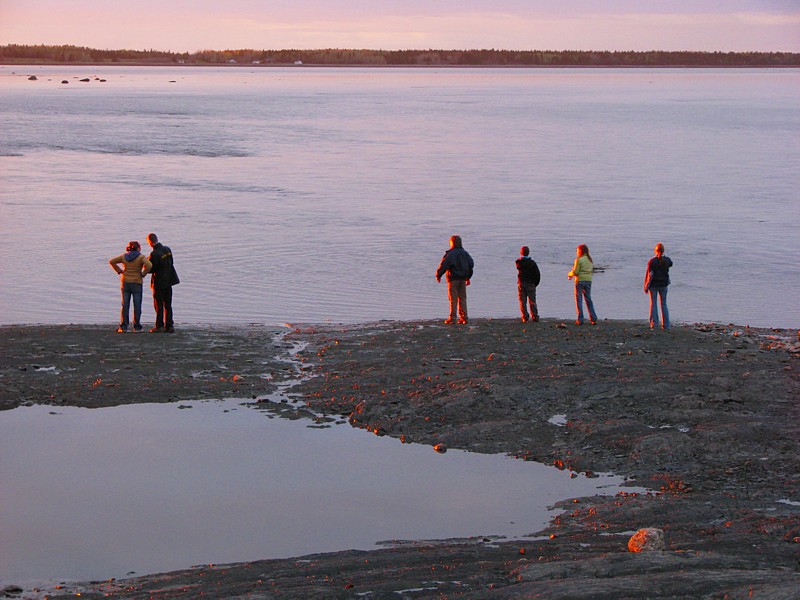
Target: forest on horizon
{"points": [[33, 54]]}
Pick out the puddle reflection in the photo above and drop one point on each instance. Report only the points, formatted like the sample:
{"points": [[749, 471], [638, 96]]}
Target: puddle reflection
{"points": [[94, 494]]}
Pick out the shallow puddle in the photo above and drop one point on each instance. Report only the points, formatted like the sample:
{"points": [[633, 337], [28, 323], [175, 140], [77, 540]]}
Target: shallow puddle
{"points": [[101, 493]]}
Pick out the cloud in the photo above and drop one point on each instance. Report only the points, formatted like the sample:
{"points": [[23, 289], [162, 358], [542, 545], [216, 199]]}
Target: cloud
{"points": [[497, 29], [769, 19], [221, 26]]}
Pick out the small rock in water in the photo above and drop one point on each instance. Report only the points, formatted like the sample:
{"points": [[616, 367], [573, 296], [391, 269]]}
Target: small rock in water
{"points": [[649, 539], [440, 448]]}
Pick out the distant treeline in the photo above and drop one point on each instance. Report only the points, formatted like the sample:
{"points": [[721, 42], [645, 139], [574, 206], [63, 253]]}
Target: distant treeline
{"points": [[15, 53]]}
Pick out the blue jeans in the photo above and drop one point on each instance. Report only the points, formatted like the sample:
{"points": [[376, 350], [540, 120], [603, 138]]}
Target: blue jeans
{"points": [[131, 290], [661, 292], [583, 290]]}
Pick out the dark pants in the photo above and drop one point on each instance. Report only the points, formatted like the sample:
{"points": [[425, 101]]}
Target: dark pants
{"points": [[162, 301], [527, 295]]}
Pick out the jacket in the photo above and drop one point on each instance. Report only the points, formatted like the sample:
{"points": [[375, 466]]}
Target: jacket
{"points": [[132, 266], [582, 269], [457, 263], [163, 271], [528, 270], [657, 275]]}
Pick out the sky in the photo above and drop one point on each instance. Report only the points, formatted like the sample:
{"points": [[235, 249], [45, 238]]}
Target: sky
{"points": [[192, 25]]}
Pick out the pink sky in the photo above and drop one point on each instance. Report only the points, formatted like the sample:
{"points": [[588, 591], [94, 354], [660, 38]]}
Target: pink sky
{"points": [[190, 25]]}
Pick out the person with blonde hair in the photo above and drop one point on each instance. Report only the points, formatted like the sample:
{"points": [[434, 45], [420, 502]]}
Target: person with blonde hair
{"points": [[134, 267], [656, 280], [581, 272]]}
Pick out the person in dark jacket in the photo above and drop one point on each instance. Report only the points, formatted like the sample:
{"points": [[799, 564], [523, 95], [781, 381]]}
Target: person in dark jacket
{"points": [[528, 278], [656, 280], [163, 277], [458, 265]]}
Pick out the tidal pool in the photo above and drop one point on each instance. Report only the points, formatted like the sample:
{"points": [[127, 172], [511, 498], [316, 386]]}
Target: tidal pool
{"points": [[100, 493]]}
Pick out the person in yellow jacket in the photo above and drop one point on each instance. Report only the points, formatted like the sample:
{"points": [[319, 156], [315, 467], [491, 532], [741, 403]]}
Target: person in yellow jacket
{"points": [[581, 272], [134, 267]]}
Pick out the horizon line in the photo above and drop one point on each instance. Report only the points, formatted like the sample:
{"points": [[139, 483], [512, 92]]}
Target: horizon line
{"points": [[353, 49]]}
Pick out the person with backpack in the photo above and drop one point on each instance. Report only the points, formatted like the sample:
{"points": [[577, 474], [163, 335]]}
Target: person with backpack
{"points": [[528, 277], [656, 281], [162, 279]]}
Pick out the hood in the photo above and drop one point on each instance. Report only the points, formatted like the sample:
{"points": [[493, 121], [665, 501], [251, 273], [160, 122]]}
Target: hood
{"points": [[129, 256]]}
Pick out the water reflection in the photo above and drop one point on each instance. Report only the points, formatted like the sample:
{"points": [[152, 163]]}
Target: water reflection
{"points": [[93, 494]]}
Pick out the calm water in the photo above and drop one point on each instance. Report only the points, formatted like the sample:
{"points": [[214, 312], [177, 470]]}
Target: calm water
{"points": [[93, 494], [311, 194]]}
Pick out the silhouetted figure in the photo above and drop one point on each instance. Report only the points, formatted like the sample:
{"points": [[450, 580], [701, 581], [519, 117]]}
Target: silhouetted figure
{"points": [[528, 278], [163, 278], [656, 281], [458, 265]]}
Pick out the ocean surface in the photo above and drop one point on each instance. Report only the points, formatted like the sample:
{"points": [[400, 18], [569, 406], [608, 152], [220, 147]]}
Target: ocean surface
{"points": [[328, 194]]}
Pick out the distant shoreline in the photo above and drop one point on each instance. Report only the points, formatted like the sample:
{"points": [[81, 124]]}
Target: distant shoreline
{"points": [[360, 66], [423, 58]]}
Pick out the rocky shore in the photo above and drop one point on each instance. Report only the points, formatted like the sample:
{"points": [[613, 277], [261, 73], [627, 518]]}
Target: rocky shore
{"points": [[704, 416]]}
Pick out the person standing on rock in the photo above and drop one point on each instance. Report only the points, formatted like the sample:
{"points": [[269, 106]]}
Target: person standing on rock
{"points": [[582, 271], [163, 278], [458, 265], [134, 267], [656, 281], [528, 278]]}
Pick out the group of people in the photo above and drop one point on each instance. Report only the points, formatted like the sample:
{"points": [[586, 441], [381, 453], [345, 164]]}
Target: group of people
{"points": [[458, 266], [133, 267]]}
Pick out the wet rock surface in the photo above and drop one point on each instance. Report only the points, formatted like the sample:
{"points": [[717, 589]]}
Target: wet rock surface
{"points": [[91, 366], [705, 416]]}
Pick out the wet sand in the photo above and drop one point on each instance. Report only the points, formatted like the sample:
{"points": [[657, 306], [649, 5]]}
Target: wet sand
{"points": [[705, 416]]}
